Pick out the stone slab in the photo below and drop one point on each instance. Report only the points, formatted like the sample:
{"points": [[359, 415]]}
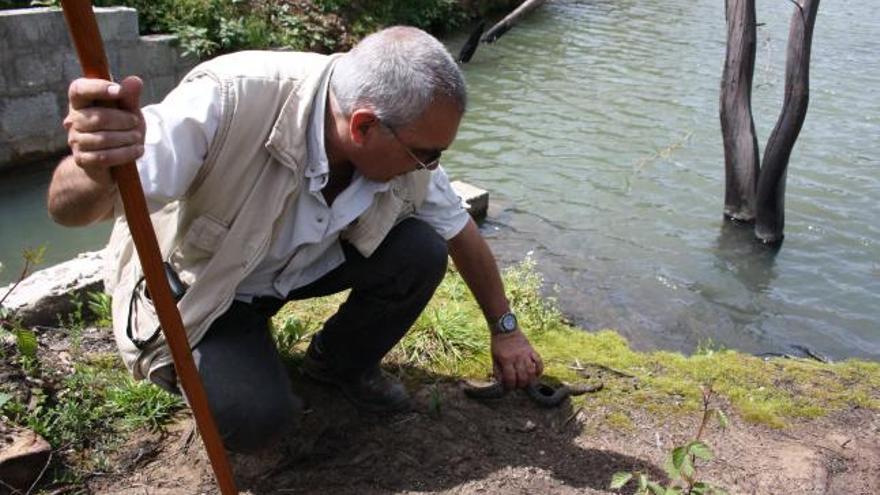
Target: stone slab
{"points": [[45, 294], [476, 199]]}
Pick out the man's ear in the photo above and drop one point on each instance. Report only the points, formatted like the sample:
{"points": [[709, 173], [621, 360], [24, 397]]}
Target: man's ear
{"points": [[361, 124]]}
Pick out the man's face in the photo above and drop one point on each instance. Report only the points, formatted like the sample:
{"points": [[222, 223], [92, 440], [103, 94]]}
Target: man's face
{"points": [[387, 153]]}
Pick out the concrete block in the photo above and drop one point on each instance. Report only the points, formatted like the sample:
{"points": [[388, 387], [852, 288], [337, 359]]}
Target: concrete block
{"points": [[146, 59], [476, 199], [157, 88], [41, 70], [24, 28], [70, 68], [25, 116], [115, 57], [117, 23]]}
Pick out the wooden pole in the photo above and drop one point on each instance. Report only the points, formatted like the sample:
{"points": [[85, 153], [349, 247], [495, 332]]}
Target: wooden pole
{"points": [[770, 219], [741, 163], [90, 49]]}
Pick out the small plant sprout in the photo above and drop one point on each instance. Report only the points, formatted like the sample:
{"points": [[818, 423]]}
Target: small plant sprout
{"points": [[681, 465], [25, 340], [100, 304], [435, 402], [32, 257]]}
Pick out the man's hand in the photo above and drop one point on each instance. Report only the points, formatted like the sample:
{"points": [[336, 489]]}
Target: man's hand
{"points": [[82, 190], [515, 363], [99, 136]]}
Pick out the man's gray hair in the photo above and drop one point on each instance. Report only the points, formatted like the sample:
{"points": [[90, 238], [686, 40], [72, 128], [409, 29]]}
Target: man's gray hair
{"points": [[397, 73]]}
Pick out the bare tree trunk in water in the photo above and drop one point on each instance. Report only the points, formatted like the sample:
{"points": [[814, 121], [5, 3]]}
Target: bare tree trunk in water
{"points": [[737, 126], [770, 219]]}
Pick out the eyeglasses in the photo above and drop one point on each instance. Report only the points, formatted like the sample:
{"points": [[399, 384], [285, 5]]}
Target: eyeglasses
{"points": [[431, 161]]}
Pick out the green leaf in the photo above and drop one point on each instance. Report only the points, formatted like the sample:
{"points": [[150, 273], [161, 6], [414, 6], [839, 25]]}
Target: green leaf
{"points": [[679, 454], [4, 398], [620, 479], [643, 483], [673, 490], [700, 450], [34, 256], [687, 467], [656, 488], [722, 418], [698, 489], [671, 471], [26, 342]]}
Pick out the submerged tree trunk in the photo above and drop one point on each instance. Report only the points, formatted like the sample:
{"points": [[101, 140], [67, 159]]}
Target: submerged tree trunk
{"points": [[770, 219], [737, 126]]}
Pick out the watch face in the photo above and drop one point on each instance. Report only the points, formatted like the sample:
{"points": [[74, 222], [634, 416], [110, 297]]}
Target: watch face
{"points": [[507, 322]]}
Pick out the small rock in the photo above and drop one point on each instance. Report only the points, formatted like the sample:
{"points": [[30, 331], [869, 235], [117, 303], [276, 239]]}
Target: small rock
{"points": [[23, 455]]}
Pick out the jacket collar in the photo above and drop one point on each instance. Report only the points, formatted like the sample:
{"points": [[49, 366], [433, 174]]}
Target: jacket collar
{"points": [[287, 141]]}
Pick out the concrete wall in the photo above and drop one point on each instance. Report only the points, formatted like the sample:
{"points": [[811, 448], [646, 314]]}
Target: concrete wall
{"points": [[37, 62]]}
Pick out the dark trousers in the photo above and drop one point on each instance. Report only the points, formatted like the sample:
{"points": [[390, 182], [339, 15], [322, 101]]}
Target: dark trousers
{"points": [[247, 385]]}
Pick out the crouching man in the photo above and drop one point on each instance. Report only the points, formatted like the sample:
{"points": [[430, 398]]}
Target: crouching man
{"points": [[278, 176]]}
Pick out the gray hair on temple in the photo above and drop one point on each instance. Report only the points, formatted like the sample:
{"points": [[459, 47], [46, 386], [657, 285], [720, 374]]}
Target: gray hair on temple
{"points": [[397, 73]]}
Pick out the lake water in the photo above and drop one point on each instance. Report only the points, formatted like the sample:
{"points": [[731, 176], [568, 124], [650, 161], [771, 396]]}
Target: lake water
{"points": [[594, 124], [24, 223]]}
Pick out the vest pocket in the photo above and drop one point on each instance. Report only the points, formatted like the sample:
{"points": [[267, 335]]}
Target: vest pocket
{"points": [[205, 234]]}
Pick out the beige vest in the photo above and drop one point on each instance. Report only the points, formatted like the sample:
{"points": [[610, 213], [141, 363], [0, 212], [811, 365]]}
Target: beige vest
{"points": [[222, 227]]}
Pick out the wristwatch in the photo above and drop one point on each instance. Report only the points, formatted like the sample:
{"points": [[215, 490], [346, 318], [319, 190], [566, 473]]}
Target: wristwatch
{"points": [[505, 324]]}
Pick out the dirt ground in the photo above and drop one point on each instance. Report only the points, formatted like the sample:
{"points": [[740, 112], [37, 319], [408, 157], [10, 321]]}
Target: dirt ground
{"points": [[508, 446], [452, 444]]}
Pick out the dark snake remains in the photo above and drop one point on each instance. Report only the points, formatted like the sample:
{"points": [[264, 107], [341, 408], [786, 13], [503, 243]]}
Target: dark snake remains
{"points": [[541, 394]]}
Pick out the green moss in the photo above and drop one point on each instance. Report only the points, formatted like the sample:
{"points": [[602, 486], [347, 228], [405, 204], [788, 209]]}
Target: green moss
{"points": [[619, 420]]}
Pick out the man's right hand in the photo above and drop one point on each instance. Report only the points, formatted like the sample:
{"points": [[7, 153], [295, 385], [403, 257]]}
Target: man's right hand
{"points": [[105, 128], [104, 125]]}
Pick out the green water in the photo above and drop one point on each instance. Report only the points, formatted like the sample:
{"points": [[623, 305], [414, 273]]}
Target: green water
{"points": [[24, 223], [595, 126]]}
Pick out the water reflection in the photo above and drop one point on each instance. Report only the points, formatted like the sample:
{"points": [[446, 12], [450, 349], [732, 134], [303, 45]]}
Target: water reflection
{"points": [[739, 253]]}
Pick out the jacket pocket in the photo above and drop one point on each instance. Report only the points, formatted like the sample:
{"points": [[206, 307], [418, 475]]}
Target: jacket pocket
{"points": [[205, 234]]}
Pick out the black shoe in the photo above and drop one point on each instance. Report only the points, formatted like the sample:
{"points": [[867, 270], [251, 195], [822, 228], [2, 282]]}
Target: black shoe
{"points": [[372, 390]]}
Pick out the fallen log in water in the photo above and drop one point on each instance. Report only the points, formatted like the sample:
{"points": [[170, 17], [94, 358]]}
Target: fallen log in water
{"points": [[470, 46], [505, 24]]}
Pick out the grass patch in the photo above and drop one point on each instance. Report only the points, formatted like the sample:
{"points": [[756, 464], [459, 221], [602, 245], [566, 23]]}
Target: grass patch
{"points": [[86, 412]]}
